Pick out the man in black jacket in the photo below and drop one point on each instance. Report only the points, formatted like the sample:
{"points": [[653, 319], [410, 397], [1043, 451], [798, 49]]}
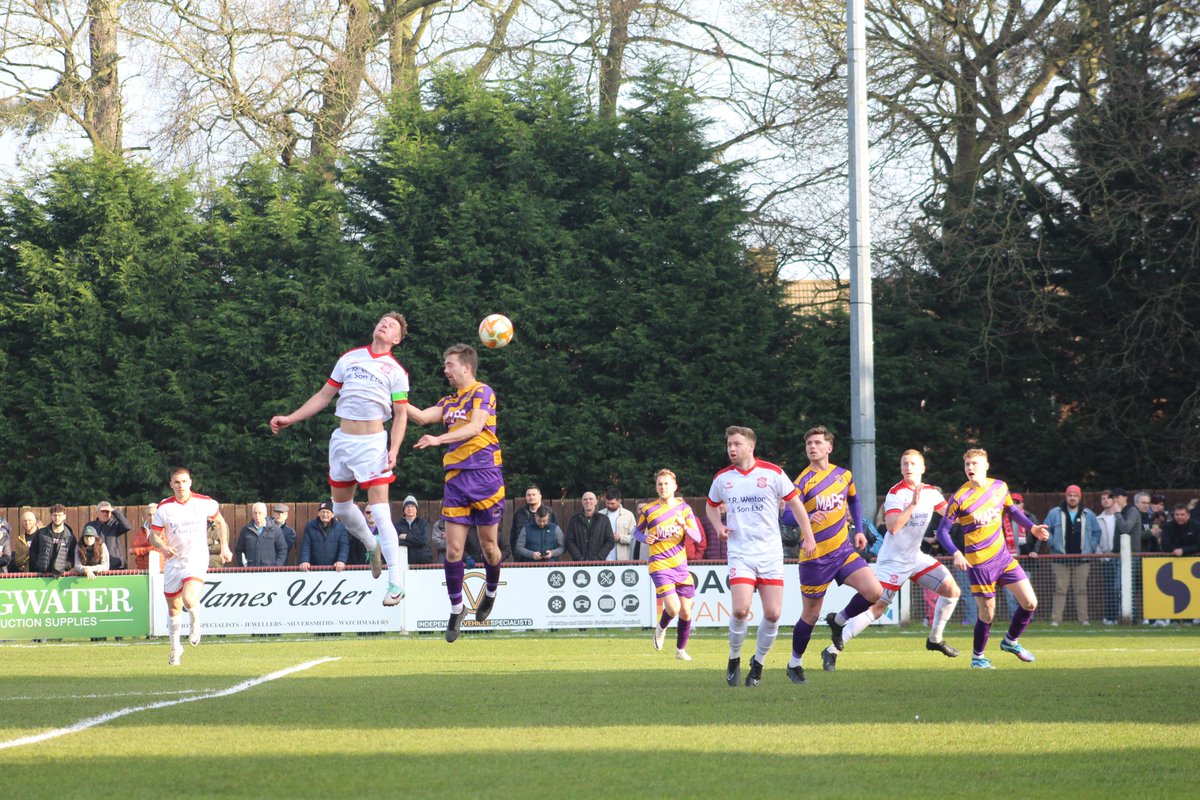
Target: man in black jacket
{"points": [[413, 533], [1181, 534], [52, 549], [589, 535], [112, 525]]}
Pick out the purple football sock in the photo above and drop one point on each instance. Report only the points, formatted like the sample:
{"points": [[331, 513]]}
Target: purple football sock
{"points": [[665, 620], [856, 606], [682, 633], [982, 631], [1020, 622], [454, 580], [491, 574], [800, 636]]}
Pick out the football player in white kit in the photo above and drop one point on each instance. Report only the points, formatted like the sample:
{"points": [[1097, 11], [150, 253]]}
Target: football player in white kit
{"points": [[180, 531], [751, 490], [371, 388], [907, 510]]}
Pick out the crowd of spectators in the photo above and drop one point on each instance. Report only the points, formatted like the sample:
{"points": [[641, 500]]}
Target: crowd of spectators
{"points": [[604, 532]]}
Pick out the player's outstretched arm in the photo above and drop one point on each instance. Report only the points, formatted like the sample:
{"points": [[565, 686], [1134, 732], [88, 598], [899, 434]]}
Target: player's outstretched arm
{"points": [[424, 416], [473, 427], [311, 407]]}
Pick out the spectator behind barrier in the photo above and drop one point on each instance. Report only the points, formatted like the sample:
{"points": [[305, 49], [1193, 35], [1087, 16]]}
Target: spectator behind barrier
{"points": [[91, 555], [279, 513], [111, 526], [589, 534], [260, 542], [27, 526], [524, 515], [52, 550], [414, 533], [141, 546], [1181, 534], [326, 541], [540, 540]]}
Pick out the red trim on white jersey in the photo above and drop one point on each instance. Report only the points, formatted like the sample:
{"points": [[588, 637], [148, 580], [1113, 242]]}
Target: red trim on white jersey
{"points": [[193, 496], [333, 383]]}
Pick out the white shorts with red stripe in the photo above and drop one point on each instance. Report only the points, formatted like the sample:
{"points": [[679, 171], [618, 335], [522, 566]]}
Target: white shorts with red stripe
{"points": [[756, 570], [180, 569], [358, 459], [921, 568]]}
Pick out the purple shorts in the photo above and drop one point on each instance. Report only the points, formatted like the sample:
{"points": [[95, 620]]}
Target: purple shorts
{"points": [[999, 570], [676, 580], [817, 574], [474, 496]]}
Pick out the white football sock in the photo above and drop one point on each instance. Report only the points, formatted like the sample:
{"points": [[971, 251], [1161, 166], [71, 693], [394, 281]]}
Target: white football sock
{"points": [[355, 522], [767, 631], [942, 610], [858, 624], [174, 624], [389, 540], [737, 635]]}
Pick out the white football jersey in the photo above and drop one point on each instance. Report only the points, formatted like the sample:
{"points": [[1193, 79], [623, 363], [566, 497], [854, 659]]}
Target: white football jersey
{"points": [[368, 384], [185, 525], [752, 507], [906, 541]]}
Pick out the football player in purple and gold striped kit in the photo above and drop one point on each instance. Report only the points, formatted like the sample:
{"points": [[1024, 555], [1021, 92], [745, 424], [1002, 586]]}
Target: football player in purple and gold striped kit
{"points": [[662, 524], [978, 508], [828, 494], [474, 484]]}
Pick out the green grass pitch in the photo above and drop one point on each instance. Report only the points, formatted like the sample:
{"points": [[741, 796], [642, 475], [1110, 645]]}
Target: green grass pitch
{"points": [[1102, 712]]}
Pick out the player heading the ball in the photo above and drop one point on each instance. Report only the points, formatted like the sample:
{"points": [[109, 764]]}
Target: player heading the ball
{"points": [[371, 388], [473, 493]]}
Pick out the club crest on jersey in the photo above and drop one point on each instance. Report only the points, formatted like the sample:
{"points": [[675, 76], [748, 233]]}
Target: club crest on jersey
{"points": [[728, 484], [762, 483]]}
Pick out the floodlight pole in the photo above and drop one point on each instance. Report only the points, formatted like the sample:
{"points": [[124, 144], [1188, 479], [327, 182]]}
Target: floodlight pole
{"points": [[862, 345]]}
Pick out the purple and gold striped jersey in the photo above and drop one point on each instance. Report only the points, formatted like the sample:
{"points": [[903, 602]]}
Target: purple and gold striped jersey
{"points": [[481, 450], [663, 525], [979, 511], [828, 490]]}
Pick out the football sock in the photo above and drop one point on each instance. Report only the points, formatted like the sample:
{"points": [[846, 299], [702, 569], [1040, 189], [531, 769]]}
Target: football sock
{"points": [[737, 635], [856, 606], [389, 540], [665, 620], [355, 522], [767, 631], [941, 615], [982, 631], [682, 632], [800, 636], [174, 624], [1020, 622], [454, 581], [491, 574], [859, 623]]}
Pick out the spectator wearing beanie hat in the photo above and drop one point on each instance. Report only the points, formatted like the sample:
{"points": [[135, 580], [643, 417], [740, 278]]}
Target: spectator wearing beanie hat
{"points": [[1074, 530]]}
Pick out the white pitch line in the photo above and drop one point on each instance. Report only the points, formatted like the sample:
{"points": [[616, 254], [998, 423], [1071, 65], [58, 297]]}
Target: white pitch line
{"points": [[101, 696], [92, 722]]}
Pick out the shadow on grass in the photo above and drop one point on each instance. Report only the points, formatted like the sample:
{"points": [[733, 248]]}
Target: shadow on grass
{"points": [[614, 770]]}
